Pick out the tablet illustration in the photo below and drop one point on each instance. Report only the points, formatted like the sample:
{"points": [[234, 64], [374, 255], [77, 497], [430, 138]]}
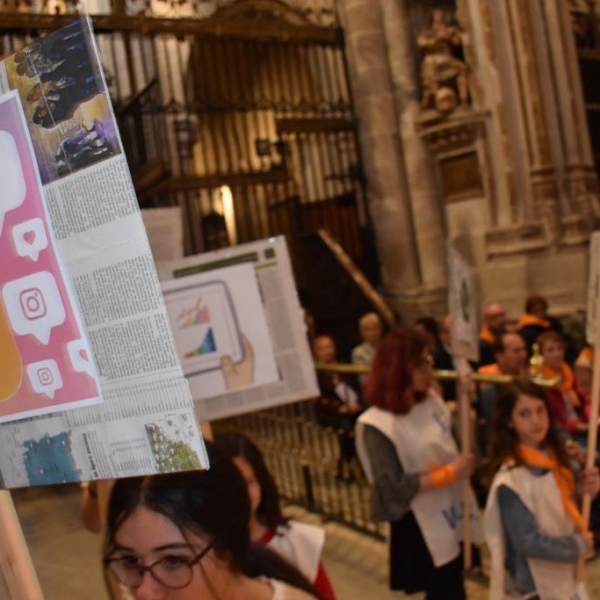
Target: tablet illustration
{"points": [[205, 326]]}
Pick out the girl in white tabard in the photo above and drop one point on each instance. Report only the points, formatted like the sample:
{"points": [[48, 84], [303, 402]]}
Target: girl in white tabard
{"points": [[533, 526], [405, 443], [299, 543]]}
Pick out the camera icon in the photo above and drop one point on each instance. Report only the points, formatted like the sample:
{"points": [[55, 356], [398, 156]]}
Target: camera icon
{"points": [[33, 304], [45, 376]]}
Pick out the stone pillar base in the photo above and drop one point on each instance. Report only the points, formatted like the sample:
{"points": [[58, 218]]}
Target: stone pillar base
{"points": [[418, 302]]}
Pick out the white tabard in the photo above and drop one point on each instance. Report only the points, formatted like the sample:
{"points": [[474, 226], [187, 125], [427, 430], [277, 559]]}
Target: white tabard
{"points": [[540, 494], [301, 545], [423, 440]]}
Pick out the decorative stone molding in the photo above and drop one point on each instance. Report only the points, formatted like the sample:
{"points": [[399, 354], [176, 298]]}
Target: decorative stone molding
{"points": [[455, 140], [519, 239], [445, 134], [545, 201]]}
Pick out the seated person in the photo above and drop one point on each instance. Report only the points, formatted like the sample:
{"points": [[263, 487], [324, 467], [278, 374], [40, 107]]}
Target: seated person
{"points": [[510, 352], [494, 325], [371, 330], [535, 320], [570, 403], [339, 405]]}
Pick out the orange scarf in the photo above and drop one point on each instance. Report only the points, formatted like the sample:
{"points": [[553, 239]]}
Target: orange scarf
{"points": [[486, 335], [564, 479], [492, 369], [567, 381], [529, 319]]}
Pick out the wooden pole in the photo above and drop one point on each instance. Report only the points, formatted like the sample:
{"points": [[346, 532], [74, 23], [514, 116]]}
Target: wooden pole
{"points": [[591, 446], [464, 408], [15, 561], [592, 428]]}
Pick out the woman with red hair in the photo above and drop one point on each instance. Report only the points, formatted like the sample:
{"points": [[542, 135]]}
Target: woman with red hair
{"points": [[405, 444]]}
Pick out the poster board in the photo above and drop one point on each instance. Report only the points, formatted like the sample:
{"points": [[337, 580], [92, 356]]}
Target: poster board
{"points": [[146, 424], [268, 263], [463, 306]]}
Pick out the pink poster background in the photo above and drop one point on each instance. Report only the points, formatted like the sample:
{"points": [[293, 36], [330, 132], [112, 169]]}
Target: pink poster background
{"points": [[77, 387]]}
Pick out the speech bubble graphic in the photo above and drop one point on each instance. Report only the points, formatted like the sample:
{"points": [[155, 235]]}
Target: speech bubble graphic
{"points": [[80, 357], [30, 238], [44, 377], [13, 190], [33, 305]]}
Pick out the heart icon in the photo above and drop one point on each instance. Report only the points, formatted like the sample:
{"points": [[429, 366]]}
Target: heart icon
{"points": [[29, 237]]}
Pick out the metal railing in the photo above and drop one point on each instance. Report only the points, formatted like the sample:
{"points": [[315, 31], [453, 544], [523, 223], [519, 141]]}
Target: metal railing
{"points": [[303, 454], [303, 457]]}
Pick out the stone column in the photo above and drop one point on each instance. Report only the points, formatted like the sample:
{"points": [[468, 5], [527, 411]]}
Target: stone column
{"points": [[387, 183], [541, 169], [573, 141], [425, 194]]}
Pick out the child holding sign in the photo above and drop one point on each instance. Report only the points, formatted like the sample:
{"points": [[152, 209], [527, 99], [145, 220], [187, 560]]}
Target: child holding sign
{"points": [[533, 526]]}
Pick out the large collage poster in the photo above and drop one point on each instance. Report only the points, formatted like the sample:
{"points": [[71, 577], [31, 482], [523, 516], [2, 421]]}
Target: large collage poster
{"points": [[87, 351]]}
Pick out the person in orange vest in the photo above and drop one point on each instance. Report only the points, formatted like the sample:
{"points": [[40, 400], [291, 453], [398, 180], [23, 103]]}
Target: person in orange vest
{"points": [[535, 320], [510, 351], [494, 325]]}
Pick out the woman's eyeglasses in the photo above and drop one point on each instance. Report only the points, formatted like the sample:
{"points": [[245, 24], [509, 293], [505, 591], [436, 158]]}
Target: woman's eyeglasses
{"points": [[425, 361], [174, 572]]}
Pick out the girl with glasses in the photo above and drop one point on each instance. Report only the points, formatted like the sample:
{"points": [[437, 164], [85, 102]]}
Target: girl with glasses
{"points": [[299, 543], [185, 536], [405, 443]]}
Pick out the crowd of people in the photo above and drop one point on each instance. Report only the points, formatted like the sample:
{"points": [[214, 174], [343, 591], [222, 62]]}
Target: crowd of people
{"points": [[528, 464], [222, 533]]}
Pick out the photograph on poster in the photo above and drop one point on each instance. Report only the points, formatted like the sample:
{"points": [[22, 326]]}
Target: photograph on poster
{"points": [[220, 330], [65, 101]]}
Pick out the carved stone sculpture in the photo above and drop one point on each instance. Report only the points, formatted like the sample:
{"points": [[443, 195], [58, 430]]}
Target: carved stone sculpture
{"points": [[443, 75]]}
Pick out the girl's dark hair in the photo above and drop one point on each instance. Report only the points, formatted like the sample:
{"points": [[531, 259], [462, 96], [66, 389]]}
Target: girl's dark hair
{"points": [[237, 445], [389, 385], [212, 503], [504, 440]]}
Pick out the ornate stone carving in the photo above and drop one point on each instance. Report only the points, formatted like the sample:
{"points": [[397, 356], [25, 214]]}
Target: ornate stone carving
{"points": [[443, 74], [455, 141], [515, 240], [545, 202]]}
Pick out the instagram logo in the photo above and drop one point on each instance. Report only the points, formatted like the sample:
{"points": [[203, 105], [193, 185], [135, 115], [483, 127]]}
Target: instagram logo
{"points": [[45, 376], [32, 304]]}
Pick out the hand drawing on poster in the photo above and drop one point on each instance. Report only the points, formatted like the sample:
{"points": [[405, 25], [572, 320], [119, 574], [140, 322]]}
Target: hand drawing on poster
{"points": [[220, 330], [46, 361]]}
